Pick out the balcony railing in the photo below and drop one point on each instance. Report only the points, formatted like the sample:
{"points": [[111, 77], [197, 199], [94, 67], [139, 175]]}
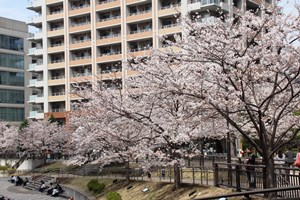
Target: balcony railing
{"points": [[206, 2], [140, 12], [107, 1], [82, 57], [57, 77], [79, 7], [110, 36], [170, 25], [58, 110], [141, 49], [110, 18], [57, 93], [141, 30], [57, 61], [57, 45], [106, 71], [111, 53], [170, 6], [80, 24], [82, 74], [81, 41], [56, 28], [56, 12]]}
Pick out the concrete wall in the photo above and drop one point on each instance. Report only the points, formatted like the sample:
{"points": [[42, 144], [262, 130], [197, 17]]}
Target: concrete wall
{"points": [[9, 162], [70, 192], [30, 164]]}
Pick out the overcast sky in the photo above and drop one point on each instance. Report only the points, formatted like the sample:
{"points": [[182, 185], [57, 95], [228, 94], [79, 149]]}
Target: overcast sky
{"points": [[16, 9]]}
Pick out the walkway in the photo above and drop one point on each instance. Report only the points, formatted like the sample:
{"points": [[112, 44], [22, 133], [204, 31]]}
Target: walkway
{"points": [[13, 192]]}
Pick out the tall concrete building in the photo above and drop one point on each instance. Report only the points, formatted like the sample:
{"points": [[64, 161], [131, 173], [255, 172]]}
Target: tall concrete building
{"points": [[79, 40], [13, 70]]}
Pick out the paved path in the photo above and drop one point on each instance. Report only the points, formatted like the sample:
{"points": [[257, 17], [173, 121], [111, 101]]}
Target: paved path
{"points": [[19, 193]]}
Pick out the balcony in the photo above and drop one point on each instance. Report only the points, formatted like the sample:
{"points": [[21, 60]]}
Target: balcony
{"points": [[35, 51], [36, 36], [110, 56], [57, 80], [53, 1], [38, 114], [80, 10], [169, 10], [207, 4], [139, 16], [34, 4], [77, 27], [111, 21], [85, 60], [169, 29], [56, 64], [140, 34], [139, 52], [109, 39], [55, 15], [36, 83], [108, 4], [56, 48], [77, 44], [35, 67], [36, 98], [58, 109], [56, 31], [81, 77], [129, 2], [35, 20]]}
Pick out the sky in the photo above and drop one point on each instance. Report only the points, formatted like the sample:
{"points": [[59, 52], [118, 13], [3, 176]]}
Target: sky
{"points": [[16, 9]]}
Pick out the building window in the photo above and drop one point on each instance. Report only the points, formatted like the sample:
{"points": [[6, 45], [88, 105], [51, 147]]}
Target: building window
{"points": [[11, 43], [12, 78], [11, 61], [11, 114], [12, 96]]}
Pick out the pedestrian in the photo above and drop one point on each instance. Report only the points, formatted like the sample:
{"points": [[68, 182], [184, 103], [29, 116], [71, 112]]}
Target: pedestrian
{"points": [[42, 186], [251, 170], [149, 174], [289, 160], [163, 173], [297, 161]]}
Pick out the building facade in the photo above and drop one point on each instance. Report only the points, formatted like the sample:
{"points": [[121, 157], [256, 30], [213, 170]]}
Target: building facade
{"points": [[82, 40], [13, 70]]}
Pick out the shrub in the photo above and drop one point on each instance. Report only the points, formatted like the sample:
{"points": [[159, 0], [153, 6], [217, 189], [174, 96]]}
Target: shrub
{"points": [[3, 168], [94, 186], [113, 196], [11, 171]]}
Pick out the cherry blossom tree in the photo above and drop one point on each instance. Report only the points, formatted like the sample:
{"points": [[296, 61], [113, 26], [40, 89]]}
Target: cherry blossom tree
{"points": [[8, 135], [42, 135], [246, 69]]}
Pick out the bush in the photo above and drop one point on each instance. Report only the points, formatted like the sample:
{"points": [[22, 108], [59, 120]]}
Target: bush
{"points": [[113, 196], [11, 171], [94, 186], [3, 168]]}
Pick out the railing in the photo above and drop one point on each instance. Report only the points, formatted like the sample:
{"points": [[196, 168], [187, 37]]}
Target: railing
{"points": [[140, 12], [107, 1], [56, 28], [110, 18], [206, 2], [57, 93], [82, 74], [81, 41], [110, 36], [106, 71], [57, 77], [57, 45], [170, 25], [170, 6], [140, 49], [141, 31], [247, 177], [58, 110], [57, 61], [80, 24], [81, 57], [56, 12], [111, 53], [79, 7]]}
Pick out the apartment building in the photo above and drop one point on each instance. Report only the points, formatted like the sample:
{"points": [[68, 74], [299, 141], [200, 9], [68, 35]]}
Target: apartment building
{"points": [[81, 40], [13, 70]]}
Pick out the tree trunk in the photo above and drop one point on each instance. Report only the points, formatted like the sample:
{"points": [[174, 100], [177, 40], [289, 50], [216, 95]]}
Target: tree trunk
{"points": [[268, 176], [177, 178], [127, 171], [201, 157]]}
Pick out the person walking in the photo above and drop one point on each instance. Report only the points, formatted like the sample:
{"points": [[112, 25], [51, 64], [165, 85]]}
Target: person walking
{"points": [[251, 171], [289, 155]]}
